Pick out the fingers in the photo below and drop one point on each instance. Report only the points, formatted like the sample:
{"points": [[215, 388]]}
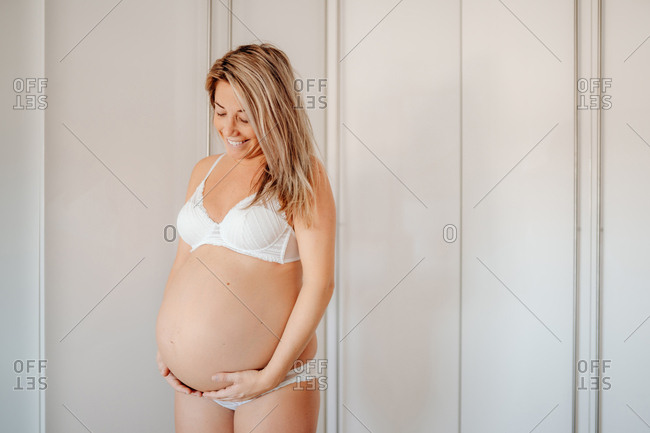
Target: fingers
{"points": [[173, 380], [221, 394], [180, 386], [164, 371], [212, 395], [177, 384], [218, 395]]}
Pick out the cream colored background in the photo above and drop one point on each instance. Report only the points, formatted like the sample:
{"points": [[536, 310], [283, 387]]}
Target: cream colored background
{"points": [[439, 113]]}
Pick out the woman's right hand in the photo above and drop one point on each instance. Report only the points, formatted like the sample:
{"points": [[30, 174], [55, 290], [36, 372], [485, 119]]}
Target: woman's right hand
{"points": [[173, 380]]}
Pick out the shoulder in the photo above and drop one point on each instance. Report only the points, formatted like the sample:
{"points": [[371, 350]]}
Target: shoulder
{"points": [[202, 167], [320, 176], [324, 206], [318, 168], [206, 163], [200, 171]]}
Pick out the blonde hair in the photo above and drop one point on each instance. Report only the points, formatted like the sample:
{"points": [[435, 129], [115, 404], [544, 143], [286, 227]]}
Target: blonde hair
{"points": [[263, 81]]}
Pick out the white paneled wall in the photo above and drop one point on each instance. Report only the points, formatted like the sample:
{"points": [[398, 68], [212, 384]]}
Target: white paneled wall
{"points": [[518, 216], [21, 178], [478, 100], [625, 202], [400, 171], [491, 242], [125, 125]]}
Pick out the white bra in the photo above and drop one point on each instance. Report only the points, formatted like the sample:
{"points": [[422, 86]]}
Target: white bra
{"points": [[259, 231]]}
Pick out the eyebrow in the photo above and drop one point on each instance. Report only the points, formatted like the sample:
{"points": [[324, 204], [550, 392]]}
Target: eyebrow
{"points": [[220, 106]]}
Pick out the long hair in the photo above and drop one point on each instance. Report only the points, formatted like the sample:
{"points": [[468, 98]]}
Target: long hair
{"points": [[263, 81]]}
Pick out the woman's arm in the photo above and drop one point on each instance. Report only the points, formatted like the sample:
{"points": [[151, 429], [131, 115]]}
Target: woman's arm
{"points": [[316, 246]]}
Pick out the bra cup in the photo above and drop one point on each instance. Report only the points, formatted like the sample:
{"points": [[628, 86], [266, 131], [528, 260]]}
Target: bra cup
{"points": [[252, 229], [261, 231], [191, 224]]}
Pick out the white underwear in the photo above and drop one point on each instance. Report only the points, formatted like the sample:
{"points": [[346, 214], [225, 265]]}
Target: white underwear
{"points": [[299, 374]]}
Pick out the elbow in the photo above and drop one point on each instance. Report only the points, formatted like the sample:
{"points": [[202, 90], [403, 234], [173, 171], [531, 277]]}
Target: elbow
{"points": [[329, 289], [325, 288]]}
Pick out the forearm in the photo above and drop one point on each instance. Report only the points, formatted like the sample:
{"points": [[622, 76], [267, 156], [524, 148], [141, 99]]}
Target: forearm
{"points": [[303, 321]]}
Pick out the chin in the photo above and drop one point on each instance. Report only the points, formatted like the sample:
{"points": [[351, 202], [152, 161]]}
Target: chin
{"points": [[239, 152]]}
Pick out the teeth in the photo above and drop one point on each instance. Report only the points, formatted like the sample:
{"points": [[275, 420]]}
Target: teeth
{"points": [[236, 143]]}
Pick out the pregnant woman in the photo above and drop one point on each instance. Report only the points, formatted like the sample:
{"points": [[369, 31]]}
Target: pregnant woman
{"points": [[254, 270]]}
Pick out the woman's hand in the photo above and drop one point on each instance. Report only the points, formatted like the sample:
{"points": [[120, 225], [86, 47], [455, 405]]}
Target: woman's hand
{"points": [[246, 384], [173, 380]]}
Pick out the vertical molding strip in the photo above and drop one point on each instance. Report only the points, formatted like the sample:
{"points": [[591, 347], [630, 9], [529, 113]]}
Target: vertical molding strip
{"points": [[576, 220], [229, 25], [587, 403], [460, 216], [598, 217], [209, 64], [333, 422], [41, 235]]}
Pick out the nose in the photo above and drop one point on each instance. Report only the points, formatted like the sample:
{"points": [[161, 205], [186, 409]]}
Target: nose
{"points": [[228, 126]]}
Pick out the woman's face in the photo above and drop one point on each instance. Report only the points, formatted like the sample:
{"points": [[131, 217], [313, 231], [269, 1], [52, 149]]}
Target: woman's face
{"points": [[232, 122]]}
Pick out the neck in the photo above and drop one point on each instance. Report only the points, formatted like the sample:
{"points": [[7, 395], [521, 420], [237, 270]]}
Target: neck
{"points": [[250, 161], [253, 157]]}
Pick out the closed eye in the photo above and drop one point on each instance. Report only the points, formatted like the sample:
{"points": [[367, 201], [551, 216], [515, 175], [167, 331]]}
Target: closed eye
{"points": [[224, 114]]}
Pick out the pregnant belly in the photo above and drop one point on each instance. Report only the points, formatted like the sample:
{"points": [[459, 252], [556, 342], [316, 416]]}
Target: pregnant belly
{"points": [[224, 311]]}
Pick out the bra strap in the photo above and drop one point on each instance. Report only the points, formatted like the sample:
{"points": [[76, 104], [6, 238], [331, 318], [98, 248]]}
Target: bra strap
{"points": [[213, 166]]}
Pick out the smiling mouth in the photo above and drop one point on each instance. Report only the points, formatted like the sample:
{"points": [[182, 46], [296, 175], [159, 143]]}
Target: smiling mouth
{"points": [[238, 143]]}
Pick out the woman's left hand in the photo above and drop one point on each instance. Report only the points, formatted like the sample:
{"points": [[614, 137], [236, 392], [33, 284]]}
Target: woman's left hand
{"points": [[246, 384]]}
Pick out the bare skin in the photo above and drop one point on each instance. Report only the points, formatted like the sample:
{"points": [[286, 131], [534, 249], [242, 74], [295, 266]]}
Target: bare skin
{"points": [[223, 311], [271, 413]]}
